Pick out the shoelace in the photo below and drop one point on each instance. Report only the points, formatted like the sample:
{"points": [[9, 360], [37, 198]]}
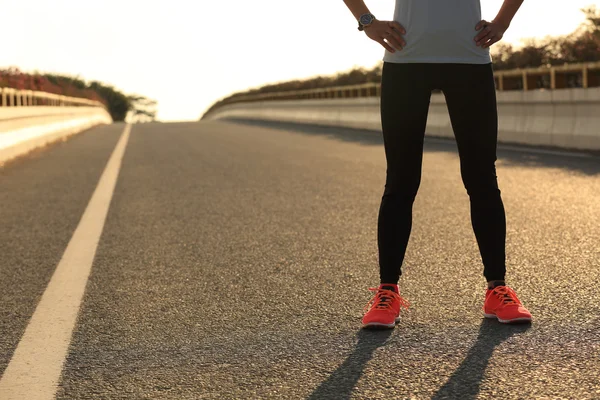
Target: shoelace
{"points": [[382, 299], [507, 295]]}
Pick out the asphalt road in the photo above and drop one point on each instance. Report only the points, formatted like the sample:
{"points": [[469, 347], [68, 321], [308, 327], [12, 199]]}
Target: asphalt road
{"points": [[236, 257]]}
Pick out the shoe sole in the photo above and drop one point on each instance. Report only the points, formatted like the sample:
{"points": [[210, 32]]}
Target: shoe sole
{"points": [[520, 320], [379, 325]]}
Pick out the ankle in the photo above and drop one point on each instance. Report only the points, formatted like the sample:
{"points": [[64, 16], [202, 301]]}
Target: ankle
{"points": [[390, 286], [494, 284]]}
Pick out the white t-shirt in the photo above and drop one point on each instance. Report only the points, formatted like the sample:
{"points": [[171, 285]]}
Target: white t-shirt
{"points": [[439, 31]]}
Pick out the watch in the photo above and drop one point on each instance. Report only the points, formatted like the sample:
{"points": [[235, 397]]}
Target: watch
{"points": [[365, 20]]}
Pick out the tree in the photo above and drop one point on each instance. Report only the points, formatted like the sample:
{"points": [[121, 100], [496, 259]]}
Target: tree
{"points": [[118, 104], [592, 16], [142, 109]]}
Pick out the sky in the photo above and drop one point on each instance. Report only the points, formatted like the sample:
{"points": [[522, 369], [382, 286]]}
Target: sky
{"points": [[187, 54]]}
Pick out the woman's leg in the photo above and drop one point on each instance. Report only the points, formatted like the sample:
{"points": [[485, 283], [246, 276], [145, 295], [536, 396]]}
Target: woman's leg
{"points": [[471, 97], [405, 94]]}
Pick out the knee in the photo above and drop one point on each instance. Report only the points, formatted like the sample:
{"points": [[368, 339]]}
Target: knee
{"points": [[401, 190], [484, 186], [480, 181]]}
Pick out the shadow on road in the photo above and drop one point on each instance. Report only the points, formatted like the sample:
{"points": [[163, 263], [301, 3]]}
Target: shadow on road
{"points": [[465, 381], [342, 381], [363, 136], [520, 157]]}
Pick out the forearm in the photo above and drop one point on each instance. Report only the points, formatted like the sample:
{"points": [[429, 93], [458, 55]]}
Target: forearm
{"points": [[357, 7], [507, 12]]}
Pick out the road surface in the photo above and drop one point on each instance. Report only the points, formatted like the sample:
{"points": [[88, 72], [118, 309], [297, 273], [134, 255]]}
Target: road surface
{"points": [[235, 259]]}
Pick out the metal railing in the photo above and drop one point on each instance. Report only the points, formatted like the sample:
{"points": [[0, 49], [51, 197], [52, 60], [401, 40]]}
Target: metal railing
{"points": [[582, 75], [24, 98]]}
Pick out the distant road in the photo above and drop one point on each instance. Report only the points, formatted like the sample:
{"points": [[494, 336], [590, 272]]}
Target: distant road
{"points": [[235, 259]]}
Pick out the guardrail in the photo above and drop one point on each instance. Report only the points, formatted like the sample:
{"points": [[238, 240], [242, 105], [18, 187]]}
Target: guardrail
{"points": [[24, 98], [30, 119], [582, 75]]}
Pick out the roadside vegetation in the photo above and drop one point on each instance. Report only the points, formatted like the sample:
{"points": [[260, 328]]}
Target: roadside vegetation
{"points": [[117, 103]]}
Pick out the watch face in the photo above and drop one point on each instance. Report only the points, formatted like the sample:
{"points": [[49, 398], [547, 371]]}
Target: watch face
{"points": [[366, 19]]}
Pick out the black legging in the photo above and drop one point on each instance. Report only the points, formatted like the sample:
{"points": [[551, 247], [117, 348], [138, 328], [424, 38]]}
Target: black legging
{"points": [[471, 98]]}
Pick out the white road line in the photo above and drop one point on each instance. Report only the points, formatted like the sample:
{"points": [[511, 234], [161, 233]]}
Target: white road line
{"points": [[35, 368]]}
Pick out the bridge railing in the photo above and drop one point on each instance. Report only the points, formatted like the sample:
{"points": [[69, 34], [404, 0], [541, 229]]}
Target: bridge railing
{"points": [[582, 75], [25, 98]]}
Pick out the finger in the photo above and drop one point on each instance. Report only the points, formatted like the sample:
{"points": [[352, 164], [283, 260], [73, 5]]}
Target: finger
{"points": [[396, 39], [398, 27], [481, 24], [396, 44], [493, 40], [484, 32], [387, 46], [484, 40], [483, 43]]}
